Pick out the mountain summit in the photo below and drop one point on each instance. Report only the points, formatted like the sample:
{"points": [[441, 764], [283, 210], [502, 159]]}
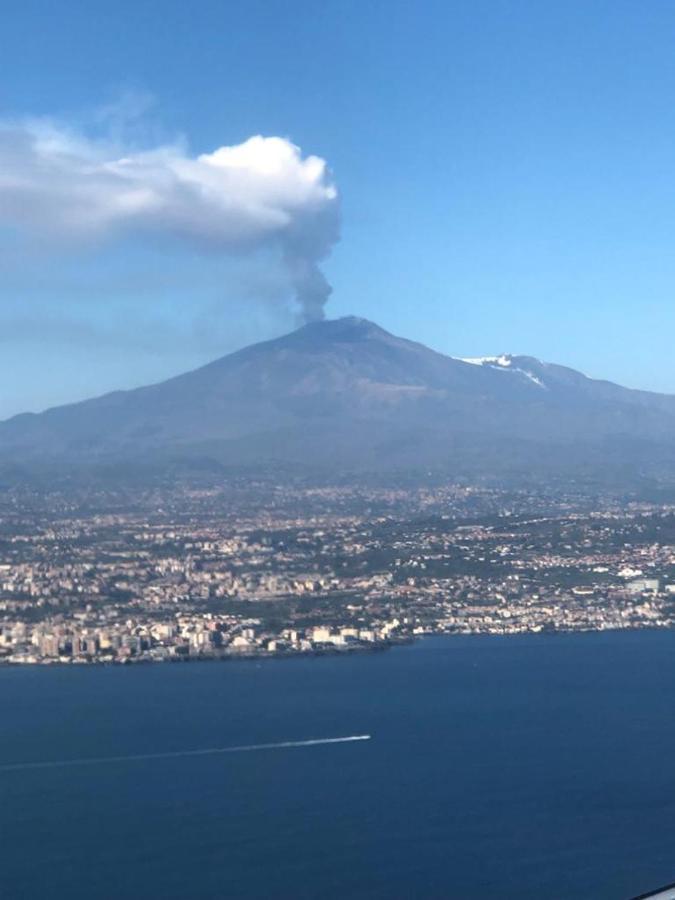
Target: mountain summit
{"points": [[347, 394]]}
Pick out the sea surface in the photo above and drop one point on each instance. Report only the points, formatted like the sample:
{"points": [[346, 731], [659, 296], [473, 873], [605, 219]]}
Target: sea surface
{"points": [[515, 767]]}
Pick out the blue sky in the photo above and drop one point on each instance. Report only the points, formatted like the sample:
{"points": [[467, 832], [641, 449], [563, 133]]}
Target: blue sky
{"points": [[506, 173]]}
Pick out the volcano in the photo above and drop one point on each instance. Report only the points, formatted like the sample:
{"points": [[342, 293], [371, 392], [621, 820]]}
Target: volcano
{"points": [[346, 395]]}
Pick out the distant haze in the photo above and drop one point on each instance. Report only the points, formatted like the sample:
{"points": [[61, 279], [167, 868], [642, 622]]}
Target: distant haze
{"points": [[345, 395]]}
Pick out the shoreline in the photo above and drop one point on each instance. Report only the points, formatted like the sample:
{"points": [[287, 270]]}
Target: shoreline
{"points": [[279, 655]]}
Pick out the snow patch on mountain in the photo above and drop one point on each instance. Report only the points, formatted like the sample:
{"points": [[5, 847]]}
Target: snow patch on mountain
{"points": [[503, 363], [532, 378], [503, 360]]}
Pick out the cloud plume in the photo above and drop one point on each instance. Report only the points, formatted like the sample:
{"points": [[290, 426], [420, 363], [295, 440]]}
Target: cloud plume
{"points": [[60, 186]]}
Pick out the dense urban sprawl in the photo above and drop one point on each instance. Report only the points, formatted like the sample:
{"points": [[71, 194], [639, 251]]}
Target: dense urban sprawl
{"points": [[256, 568]]}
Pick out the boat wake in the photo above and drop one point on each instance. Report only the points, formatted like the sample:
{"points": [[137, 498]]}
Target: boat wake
{"points": [[178, 754]]}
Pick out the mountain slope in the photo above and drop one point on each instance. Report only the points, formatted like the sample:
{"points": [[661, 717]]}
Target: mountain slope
{"points": [[347, 393]]}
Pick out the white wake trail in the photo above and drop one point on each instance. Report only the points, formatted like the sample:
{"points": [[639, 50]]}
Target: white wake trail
{"points": [[177, 754]]}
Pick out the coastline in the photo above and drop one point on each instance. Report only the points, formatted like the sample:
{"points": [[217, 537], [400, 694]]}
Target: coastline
{"points": [[380, 646]]}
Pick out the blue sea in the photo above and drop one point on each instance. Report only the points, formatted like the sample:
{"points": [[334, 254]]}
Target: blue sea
{"points": [[517, 767]]}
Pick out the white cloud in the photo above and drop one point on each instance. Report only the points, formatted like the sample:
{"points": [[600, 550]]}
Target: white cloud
{"points": [[58, 185]]}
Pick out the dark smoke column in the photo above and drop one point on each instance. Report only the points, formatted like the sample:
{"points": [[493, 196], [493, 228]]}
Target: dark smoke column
{"points": [[307, 242], [311, 289]]}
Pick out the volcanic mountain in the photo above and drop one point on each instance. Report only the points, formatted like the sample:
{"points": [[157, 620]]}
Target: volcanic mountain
{"points": [[347, 395]]}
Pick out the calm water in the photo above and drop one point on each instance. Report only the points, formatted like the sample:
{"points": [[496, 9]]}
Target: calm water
{"points": [[539, 767]]}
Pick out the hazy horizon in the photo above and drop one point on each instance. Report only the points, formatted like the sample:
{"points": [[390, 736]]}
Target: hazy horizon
{"points": [[206, 361]]}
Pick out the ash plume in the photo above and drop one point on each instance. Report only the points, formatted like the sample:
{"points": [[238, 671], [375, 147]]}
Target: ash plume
{"points": [[62, 188]]}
